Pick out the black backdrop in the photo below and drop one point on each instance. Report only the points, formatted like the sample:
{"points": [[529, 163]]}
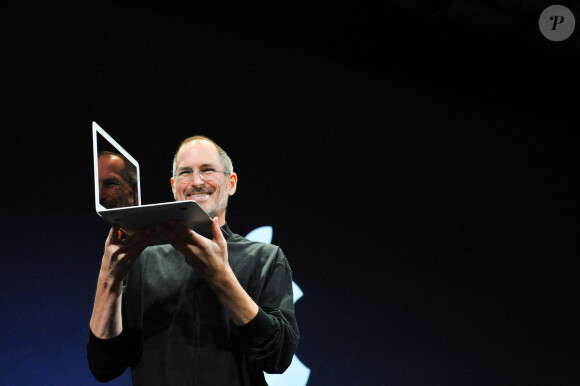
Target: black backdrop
{"points": [[418, 166]]}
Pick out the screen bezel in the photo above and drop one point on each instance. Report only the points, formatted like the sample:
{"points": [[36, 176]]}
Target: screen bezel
{"points": [[101, 136]]}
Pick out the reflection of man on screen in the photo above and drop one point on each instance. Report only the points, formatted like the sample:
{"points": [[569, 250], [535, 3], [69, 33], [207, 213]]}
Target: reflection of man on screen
{"points": [[117, 181]]}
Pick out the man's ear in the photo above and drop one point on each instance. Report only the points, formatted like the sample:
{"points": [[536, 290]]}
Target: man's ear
{"points": [[173, 186], [233, 183]]}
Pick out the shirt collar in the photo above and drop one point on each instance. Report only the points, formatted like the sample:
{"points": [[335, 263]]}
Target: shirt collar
{"points": [[227, 231]]}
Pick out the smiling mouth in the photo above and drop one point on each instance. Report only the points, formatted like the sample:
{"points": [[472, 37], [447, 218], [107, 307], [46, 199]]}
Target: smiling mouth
{"points": [[197, 195]]}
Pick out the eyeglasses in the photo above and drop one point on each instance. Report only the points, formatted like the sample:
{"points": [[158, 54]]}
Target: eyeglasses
{"points": [[186, 176]]}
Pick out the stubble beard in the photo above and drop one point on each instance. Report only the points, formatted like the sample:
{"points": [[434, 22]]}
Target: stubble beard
{"points": [[220, 203]]}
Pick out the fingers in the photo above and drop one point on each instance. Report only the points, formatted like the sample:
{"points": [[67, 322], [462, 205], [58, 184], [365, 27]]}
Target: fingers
{"points": [[114, 236], [218, 236], [135, 244], [179, 232], [179, 236], [137, 241], [141, 237], [210, 246], [120, 254]]}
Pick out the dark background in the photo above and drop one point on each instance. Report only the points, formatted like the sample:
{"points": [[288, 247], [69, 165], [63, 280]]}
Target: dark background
{"points": [[417, 161]]}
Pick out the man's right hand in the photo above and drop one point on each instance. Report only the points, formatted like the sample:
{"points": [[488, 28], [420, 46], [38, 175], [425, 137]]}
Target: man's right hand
{"points": [[120, 255]]}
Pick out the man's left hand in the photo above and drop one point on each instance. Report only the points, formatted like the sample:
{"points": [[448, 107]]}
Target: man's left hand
{"points": [[209, 257]]}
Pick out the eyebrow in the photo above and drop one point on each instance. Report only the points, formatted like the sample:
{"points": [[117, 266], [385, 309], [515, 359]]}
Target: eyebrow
{"points": [[112, 179]]}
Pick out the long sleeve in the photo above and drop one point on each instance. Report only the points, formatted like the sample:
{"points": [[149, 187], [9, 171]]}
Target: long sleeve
{"points": [[109, 358], [271, 338]]}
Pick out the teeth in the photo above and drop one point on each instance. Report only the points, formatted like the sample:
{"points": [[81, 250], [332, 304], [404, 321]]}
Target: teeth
{"points": [[198, 195]]}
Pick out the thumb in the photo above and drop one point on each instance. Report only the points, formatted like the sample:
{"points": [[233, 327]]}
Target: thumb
{"points": [[218, 236]]}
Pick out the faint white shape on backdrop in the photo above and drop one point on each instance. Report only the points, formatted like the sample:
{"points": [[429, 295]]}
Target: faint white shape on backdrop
{"points": [[297, 374]]}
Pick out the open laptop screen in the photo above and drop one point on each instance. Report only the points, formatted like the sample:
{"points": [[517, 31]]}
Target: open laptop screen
{"points": [[117, 182]]}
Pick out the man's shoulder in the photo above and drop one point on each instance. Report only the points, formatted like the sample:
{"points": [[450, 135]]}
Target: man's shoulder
{"points": [[257, 251], [249, 258], [239, 241]]}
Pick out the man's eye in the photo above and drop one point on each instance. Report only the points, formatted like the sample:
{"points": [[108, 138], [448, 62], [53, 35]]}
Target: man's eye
{"points": [[208, 171], [185, 173]]}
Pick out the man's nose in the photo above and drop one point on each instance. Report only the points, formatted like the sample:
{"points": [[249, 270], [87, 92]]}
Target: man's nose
{"points": [[196, 178]]}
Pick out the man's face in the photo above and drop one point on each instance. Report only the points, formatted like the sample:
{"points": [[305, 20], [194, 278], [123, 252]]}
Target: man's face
{"points": [[114, 190], [212, 193]]}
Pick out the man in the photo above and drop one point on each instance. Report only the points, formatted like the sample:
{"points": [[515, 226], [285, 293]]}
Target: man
{"points": [[195, 311], [117, 181]]}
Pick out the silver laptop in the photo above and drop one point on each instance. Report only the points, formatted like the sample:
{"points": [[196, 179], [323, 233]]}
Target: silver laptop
{"points": [[118, 192]]}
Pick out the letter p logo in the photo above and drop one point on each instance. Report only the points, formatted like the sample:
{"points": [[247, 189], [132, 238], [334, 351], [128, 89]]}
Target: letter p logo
{"points": [[557, 20], [557, 23]]}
